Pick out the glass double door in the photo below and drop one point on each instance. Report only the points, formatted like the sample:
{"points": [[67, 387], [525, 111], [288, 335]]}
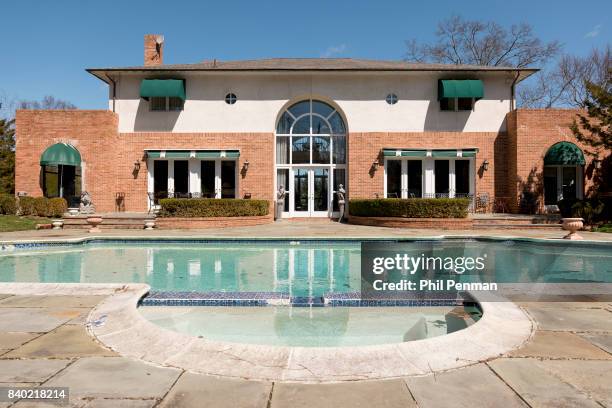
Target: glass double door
{"points": [[310, 192]]}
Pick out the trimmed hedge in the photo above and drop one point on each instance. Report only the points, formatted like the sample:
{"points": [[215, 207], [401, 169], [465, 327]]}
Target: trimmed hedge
{"points": [[590, 209], [8, 204], [26, 206], [410, 207], [211, 207], [57, 207], [42, 206]]}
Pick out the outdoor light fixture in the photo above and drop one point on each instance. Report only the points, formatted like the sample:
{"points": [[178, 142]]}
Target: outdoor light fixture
{"points": [[485, 165], [375, 165], [245, 166], [137, 166]]}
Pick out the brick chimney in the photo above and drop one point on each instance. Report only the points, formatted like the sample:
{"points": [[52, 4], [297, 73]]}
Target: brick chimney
{"points": [[153, 49]]}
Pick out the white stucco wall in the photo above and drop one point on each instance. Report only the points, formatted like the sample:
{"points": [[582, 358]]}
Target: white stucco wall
{"points": [[361, 96]]}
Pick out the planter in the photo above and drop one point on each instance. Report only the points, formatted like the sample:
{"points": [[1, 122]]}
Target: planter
{"points": [[57, 224], [73, 212], [94, 222], [149, 224], [572, 225]]}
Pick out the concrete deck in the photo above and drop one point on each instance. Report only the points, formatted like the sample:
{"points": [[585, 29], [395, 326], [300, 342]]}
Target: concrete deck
{"points": [[44, 340]]}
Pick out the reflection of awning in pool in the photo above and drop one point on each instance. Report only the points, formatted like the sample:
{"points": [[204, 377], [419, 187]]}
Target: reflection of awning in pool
{"points": [[392, 152], [186, 154], [564, 153], [61, 153]]}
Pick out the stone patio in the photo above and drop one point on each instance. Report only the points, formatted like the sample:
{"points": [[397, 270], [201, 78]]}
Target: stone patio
{"points": [[568, 362]]}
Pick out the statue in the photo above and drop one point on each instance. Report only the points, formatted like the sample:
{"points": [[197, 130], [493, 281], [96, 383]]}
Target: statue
{"points": [[341, 201], [86, 206], [280, 202]]}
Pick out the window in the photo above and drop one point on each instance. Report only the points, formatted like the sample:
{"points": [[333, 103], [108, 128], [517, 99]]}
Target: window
{"points": [[457, 104], [230, 98], [441, 174], [394, 179], [163, 104], [391, 99], [62, 181], [415, 179], [462, 178]]}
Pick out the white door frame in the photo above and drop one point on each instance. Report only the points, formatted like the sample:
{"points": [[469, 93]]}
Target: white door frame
{"points": [[310, 185]]}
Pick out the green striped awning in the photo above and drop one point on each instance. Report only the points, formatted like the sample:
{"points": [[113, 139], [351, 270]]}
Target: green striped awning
{"points": [[162, 88], [186, 154], [430, 152], [61, 153], [460, 88], [564, 153]]}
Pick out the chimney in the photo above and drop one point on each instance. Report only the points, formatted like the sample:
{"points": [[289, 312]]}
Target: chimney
{"points": [[153, 49]]}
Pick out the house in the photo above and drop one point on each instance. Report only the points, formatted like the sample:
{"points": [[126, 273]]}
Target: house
{"points": [[242, 129]]}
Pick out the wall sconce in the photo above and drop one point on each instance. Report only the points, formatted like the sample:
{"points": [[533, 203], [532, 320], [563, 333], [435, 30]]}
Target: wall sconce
{"points": [[137, 166], [245, 165], [375, 165], [485, 165], [597, 163]]}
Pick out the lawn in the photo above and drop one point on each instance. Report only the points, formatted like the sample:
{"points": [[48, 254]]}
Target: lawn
{"points": [[16, 223], [604, 228]]}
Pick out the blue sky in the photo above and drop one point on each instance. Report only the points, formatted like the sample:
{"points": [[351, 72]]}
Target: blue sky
{"points": [[46, 45]]}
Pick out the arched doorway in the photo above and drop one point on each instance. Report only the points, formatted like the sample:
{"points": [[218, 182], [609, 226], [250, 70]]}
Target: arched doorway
{"points": [[563, 173], [310, 158], [61, 173]]}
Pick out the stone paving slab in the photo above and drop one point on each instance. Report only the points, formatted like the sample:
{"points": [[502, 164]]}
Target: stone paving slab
{"points": [[8, 404], [115, 377], [31, 319], [122, 403], [51, 301], [592, 377], [604, 341], [193, 390], [379, 394], [12, 340], [68, 341], [539, 387], [29, 370], [560, 345], [4, 295], [474, 386], [576, 320]]}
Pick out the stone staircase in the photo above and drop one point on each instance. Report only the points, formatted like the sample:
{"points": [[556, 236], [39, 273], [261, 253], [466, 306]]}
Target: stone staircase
{"points": [[516, 221], [109, 221]]}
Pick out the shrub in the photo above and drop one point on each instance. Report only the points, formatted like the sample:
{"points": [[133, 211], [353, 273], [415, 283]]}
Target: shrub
{"points": [[410, 207], [26, 206], [8, 204], [57, 207], [589, 209], [41, 206], [210, 207]]}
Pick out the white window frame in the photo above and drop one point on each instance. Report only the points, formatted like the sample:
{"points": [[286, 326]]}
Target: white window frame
{"points": [[167, 108]]}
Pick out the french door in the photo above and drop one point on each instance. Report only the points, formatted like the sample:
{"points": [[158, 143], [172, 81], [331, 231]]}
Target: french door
{"points": [[309, 192]]}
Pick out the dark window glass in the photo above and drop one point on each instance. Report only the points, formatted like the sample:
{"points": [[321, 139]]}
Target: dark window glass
{"points": [[175, 104], [447, 104], [230, 98], [415, 178], [302, 126], [319, 126], [320, 149], [301, 149], [181, 178], [464, 104], [321, 108], [569, 182], [441, 174], [337, 124], [300, 190], [321, 186], [550, 185], [462, 177], [160, 179], [51, 181], [300, 108], [208, 178], [391, 99], [394, 179], [339, 149], [158, 103], [284, 124], [228, 179]]}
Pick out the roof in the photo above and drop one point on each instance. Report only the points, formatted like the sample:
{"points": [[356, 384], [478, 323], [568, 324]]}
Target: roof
{"points": [[309, 64]]}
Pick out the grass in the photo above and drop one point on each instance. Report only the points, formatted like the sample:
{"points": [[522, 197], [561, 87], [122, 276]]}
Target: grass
{"points": [[604, 228], [15, 223]]}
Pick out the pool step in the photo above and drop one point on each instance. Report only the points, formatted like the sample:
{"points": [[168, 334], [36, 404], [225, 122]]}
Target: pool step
{"points": [[516, 221], [109, 221]]}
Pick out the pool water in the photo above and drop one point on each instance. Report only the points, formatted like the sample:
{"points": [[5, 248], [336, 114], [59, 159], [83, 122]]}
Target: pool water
{"points": [[312, 327], [296, 268]]}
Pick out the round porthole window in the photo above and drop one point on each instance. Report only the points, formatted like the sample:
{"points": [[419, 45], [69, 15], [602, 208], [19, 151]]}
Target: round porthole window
{"points": [[231, 98], [391, 99]]}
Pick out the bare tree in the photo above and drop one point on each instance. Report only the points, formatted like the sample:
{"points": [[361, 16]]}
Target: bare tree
{"points": [[48, 102], [565, 83], [462, 41]]}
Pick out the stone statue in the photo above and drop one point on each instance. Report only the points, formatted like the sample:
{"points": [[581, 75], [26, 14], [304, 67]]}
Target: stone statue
{"points": [[341, 193], [86, 206], [280, 202]]}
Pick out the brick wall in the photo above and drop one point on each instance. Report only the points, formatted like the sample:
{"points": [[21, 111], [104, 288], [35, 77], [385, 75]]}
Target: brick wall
{"points": [[365, 148]]}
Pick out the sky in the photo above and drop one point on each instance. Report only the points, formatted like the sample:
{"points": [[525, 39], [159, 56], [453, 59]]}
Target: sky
{"points": [[47, 45]]}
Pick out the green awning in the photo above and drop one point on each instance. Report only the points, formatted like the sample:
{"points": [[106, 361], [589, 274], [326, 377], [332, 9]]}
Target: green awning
{"points": [[460, 88], [564, 153], [61, 153], [429, 152], [162, 87], [198, 154]]}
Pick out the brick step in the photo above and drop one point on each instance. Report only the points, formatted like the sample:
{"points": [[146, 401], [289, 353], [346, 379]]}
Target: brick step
{"points": [[484, 226], [518, 221], [108, 222]]}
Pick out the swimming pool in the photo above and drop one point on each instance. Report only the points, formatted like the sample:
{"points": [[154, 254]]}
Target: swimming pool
{"points": [[296, 268]]}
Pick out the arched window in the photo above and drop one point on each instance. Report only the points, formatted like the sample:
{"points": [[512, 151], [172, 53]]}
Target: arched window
{"points": [[310, 132]]}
